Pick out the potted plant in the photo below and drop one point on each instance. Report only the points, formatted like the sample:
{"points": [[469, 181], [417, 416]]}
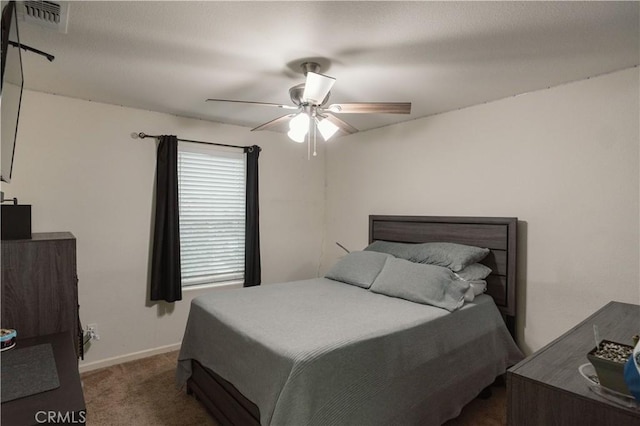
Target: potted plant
{"points": [[608, 359]]}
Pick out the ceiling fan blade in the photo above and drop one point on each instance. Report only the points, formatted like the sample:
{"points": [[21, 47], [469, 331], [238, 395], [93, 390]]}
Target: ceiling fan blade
{"points": [[277, 124], [344, 128], [254, 103], [371, 108], [317, 87]]}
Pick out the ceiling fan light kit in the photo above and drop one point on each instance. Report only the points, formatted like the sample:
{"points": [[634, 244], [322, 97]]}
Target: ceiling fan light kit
{"points": [[317, 87], [298, 127], [310, 99], [327, 128]]}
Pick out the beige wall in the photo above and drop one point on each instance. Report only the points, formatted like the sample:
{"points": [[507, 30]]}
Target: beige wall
{"points": [[76, 163], [563, 160]]}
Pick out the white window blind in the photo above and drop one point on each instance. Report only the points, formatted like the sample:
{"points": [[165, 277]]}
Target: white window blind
{"points": [[211, 192]]}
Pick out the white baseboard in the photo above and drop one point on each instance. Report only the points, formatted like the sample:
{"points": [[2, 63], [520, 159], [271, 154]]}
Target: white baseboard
{"points": [[94, 365]]}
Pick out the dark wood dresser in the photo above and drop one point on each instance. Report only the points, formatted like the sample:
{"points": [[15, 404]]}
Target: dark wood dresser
{"points": [[65, 403], [547, 389], [40, 286]]}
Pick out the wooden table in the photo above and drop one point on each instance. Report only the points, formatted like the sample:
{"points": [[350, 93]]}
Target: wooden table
{"points": [[547, 389], [64, 404]]}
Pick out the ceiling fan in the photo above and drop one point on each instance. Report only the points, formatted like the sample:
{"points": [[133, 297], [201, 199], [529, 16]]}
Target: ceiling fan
{"points": [[312, 112]]}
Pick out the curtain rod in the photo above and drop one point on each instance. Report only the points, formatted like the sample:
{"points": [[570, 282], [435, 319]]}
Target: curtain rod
{"points": [[142, 135]]}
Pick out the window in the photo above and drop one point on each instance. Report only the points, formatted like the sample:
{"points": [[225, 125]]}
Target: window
{"points": [[211, 194]]}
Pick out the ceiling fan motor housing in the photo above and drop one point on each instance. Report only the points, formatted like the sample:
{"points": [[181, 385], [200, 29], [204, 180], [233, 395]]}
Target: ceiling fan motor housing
{"points": [[310, 67], [296, 92]]}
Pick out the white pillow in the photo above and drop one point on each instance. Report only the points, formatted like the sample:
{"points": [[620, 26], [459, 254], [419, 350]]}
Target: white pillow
{"points": [[476, 288]]}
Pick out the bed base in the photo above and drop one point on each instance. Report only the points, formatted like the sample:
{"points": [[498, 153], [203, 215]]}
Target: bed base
{"points": [[223, 401], [229, 407]]}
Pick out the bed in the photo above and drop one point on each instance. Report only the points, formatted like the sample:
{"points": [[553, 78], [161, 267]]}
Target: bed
{"points": [[324, 352]]}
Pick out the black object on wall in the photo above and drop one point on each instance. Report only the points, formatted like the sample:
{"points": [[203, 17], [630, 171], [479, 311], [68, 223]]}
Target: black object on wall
{"points": [[166, 276], [252, 268], [16, 222]]}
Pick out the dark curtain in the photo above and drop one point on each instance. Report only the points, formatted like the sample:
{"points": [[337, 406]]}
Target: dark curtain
{"points": [[165, 264], [252, 270]]}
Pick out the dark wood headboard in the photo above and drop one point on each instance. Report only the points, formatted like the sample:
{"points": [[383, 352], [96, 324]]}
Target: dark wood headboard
{"points": [[496, 233]]}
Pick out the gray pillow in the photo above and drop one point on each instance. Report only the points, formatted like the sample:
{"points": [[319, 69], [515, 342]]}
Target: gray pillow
{"points": [[420, 283], [450, 255], [358, 268], [474, 272], [401, 250]]}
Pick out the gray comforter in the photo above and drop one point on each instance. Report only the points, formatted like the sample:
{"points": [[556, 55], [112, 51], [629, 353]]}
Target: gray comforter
{"points": [[321, 352]]}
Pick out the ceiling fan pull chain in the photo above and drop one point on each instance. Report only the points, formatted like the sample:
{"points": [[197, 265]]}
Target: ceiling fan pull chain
{"points": [[315, 133], [309, 142]]}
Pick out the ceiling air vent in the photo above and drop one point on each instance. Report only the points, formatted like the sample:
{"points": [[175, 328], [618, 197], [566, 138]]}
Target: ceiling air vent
{"points": [[48, 14]]}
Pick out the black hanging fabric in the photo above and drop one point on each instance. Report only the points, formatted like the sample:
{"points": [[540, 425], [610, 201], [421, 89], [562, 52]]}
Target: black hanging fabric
{"points": [[166, 277], [252, 269]]}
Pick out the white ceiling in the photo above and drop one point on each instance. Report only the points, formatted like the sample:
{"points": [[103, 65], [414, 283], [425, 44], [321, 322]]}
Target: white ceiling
{"points": [[170, 56]]}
